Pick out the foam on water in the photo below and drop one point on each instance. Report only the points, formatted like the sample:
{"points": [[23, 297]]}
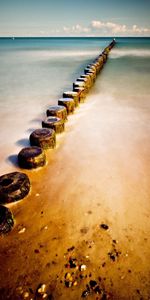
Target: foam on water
{"points": [[53, 54], [116, 53]]}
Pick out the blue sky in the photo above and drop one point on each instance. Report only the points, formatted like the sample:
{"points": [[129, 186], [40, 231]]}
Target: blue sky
{"points": [[74, 18]]}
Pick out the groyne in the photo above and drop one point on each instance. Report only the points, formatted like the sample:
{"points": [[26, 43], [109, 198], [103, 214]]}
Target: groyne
{"points": [[16, 186]]}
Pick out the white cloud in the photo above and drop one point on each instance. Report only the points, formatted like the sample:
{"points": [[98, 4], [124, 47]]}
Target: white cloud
{"points": [[108, 27], [76, 29], [97, 24], [100, 28], [140, 30], [116, 28]]}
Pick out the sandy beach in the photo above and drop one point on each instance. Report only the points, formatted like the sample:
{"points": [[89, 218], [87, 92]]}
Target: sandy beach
{"points": [[98, 174]]}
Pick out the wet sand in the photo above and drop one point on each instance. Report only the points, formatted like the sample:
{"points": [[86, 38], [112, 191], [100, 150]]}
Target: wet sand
{"points": [[99, 173]]}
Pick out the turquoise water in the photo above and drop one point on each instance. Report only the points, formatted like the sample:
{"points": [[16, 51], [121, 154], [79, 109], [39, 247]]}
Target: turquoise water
{"points": [[34, 72]]}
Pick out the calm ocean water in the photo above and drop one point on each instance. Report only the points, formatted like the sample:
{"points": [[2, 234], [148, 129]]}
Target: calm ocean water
{"points": [[35, 71]]}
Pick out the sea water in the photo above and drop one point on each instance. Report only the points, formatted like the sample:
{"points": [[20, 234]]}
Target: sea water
{"points": [[34, 72]]}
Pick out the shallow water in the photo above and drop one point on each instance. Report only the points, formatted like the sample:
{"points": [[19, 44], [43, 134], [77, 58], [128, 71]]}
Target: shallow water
{"points": [[35, 72]]}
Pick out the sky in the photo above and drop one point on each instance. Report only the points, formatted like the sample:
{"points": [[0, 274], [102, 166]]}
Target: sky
{"points": [[74, 18]]}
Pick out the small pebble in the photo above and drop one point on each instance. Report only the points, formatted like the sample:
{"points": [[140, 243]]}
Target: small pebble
{"points": [[25, 295], [85, 294], [44, 296], [42, 289], [112, 256], [68, 284], [71, 249], [83, 268], [93, 283], [97, 290], [68, 276], [72, 263], [22, 230], [104, 226], [36, 251], [114, 241]]}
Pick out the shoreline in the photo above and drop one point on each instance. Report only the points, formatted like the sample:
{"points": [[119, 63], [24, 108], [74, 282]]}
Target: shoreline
{"points": [[93, 177]]}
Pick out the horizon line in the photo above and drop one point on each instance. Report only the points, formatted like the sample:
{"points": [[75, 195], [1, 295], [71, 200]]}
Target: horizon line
{"points": [[113, 37]]}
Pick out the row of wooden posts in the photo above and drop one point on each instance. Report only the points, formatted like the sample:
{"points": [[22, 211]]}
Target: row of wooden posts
{"points": [[15, 186]]}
